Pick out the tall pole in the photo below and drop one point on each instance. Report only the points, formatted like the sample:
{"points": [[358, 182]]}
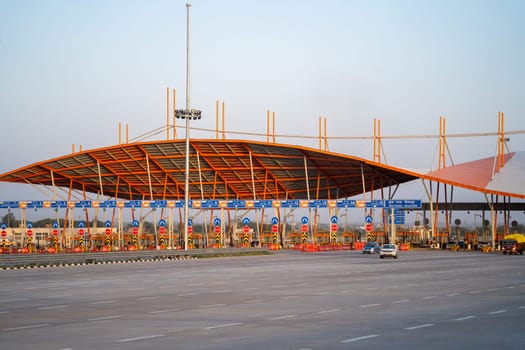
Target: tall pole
{"points": [[187, 179]]}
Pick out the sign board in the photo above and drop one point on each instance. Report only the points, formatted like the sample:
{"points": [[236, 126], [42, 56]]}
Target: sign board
{"points": [[162, 230], [275, 221], [304, 228], [274, 228], [107, 223], [135, 231], [334, 219], [369, 219], [217, 222], [246, 229], [369, 227], [334, 227], [162, 223], [135, 223], [246, 221], [217, 229], [304, 220]]}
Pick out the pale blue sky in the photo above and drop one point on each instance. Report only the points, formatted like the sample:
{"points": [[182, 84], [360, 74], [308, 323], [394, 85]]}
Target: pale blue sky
{"points": [[70, 71]]}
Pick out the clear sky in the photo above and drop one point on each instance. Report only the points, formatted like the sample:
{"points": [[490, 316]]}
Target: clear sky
{"points": [[71, 70]]}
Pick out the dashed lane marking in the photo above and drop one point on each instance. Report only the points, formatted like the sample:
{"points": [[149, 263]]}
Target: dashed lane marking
{"points": [[497, 312], [163, 311], [369, 305], [26, 327], [224, 325], [364, 337], [104, 318], [419, 326], [127, 340], [464, 318], [51, 307]]}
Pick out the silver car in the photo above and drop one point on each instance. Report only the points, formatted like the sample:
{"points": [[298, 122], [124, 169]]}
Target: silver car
{"points": [[371, 248], [389, 250]]}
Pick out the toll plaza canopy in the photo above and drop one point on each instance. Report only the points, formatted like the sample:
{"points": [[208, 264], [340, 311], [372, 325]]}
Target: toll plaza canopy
{"points": [[240, 169]]}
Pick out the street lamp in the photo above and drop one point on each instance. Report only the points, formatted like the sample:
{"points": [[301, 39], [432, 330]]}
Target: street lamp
{"points": [[188, 114]]}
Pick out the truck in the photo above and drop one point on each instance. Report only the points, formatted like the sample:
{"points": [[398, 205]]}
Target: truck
{"points": [[512, 247]]}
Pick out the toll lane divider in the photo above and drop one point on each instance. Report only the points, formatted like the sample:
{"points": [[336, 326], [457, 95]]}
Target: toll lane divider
{"points": [[10, 261]]}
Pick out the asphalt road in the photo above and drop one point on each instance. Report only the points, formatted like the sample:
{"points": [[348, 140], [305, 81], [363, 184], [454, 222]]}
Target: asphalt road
{"points": [[290, 300]]}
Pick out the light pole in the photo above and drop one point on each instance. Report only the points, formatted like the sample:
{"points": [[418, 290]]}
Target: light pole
{"points": [[187, 114]]}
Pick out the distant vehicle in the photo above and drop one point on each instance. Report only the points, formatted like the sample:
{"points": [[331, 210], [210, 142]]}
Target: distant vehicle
{"points": [[371, 248], [512, 247], [388, 250]]}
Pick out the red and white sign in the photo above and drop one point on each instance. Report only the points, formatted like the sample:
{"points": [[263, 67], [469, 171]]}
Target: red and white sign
{"points": [[55, 232], [334, 227], [4, 233], [274, 228], [108, 231], [246, 229], [81, 232], [29, 233], [369, 227], [162, 230], [304, 228], [135, 230], [190, 229], [217, 229]]}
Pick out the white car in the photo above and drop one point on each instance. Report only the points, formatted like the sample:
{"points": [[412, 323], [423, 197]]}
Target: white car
{"points": [[388, 250]]}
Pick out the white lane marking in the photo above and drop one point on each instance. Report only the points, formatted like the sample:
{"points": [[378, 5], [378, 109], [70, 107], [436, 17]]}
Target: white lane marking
{"points": [[253, 301], [148, 298], [328, 311], [60, 296], [188, 294], [497, 312], [282, 317], [4, 312], [369, 305], [509, 287], [11, 300], [104, 318], [223, 291], [521, 307], [103, 302], [474, 292], [364, 337], [224, 325], [453, 294], [492, 289], [464, 318], [430, 297], [290, 296], [26, 327], [51, 307], [127, 340], [419, 326], [401, 301], [163, 311], [211, 305]]}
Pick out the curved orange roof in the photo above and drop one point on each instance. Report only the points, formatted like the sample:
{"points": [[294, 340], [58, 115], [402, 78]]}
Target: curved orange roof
{"points": [[240, 169], [234, 169]]}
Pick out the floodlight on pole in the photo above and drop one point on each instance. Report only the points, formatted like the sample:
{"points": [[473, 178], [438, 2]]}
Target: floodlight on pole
{"points": [[188, 114]]}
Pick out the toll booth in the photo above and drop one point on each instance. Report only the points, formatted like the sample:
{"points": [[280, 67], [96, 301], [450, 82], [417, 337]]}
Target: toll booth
{"points": [[322, 237], [349, 237]]}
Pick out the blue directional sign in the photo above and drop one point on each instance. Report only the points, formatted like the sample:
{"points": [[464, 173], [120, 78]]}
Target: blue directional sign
{"points": [[3, 226], [304, 220], [217, 222], [404, 203], [246, 221], [107, 223], [29, 224], [334, 219], [345, 203], [262, 203], [162, 222], [290, 203], [369, 219], [135, 223], [376, 203], [190, 222], [318, 203], [275, 221], [55, 224], [81, 224], [236, 203]]}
